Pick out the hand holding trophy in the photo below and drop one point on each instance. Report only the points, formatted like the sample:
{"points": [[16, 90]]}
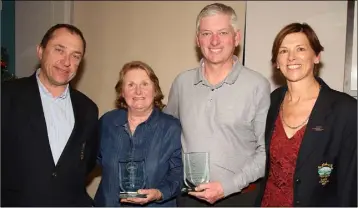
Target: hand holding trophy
{"points": [[132, 178], [196, 170]]}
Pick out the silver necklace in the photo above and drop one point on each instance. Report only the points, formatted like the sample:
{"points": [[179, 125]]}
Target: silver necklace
{"points": [[292, 127], [304, 122]]}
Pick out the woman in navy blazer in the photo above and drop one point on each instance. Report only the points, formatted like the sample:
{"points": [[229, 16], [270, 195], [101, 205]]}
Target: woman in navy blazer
{"points": [[311, 130], [139, 131]]}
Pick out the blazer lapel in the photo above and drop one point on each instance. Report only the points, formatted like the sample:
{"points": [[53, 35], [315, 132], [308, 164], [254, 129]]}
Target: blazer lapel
{"points": [[314, 133], [37, 119], [272, 115], [79, 117], [79, 114]]}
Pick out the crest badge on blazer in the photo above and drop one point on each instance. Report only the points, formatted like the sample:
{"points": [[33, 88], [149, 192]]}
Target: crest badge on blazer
{"points": [[324, 172]]}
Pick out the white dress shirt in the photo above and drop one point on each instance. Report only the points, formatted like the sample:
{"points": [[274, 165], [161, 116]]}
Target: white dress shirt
{"points": [[59, 118]]}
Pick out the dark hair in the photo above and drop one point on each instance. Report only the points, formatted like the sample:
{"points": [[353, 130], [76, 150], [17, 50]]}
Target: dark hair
{"points": [[120, 102], [71, 28], [295, 28]]}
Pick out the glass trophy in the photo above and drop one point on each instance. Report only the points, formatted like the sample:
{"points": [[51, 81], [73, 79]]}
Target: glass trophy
{"points": [[196, 170], [131, 179]]}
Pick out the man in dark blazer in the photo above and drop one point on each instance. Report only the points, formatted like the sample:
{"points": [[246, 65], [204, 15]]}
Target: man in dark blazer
{"points": [[48, 129]]}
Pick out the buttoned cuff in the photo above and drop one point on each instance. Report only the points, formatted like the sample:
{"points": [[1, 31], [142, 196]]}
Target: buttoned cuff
{"points": [[166, 193]]}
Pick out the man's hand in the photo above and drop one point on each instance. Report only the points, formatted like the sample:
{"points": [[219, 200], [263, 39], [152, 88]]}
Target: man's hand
{"points": [[152, 195], [210, 192]]}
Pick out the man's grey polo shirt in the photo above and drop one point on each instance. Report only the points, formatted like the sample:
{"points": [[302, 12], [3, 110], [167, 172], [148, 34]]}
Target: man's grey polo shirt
{"points": [[228, 120]]}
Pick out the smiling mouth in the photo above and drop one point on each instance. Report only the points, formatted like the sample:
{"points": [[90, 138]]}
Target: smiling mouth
{"points": [[295, 66], [138, 98], [63, 70], [215, 50]]}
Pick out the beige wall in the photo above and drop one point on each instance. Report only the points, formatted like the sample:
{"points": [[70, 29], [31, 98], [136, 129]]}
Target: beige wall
{"points": [[327, 18], [159, 33]]}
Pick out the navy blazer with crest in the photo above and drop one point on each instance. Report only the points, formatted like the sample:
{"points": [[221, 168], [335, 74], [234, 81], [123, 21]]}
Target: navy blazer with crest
{"points": [[29, 176], [330, 138]]}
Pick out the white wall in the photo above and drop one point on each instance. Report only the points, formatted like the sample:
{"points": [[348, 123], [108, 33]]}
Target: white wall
{"points": [[328, 18], [32, 20]]}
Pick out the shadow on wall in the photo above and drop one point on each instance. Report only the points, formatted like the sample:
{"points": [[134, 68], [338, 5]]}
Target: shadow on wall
{"points": [[37, 66], [79, 74], [280, 80], [199, 55]]}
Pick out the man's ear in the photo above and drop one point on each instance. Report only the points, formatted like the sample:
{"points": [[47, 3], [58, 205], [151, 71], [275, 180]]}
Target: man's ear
{"points": [[197, 41], [237, 38], [39, 50]]}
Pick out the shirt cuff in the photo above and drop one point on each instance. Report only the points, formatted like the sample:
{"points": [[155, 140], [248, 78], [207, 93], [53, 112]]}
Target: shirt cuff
{"points": [[166, 194]]}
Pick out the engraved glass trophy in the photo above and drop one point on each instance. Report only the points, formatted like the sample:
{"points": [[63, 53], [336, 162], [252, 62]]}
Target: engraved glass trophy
{"points": [[131, 178], [196, 169]]}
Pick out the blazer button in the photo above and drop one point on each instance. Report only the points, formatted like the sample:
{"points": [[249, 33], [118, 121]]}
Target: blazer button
{"points": [[54, 174], [297, 202], [298, 180]]}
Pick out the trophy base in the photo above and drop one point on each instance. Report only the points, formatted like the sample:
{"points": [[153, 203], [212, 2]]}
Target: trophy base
{"points": [[187, 190], [125, 195]]}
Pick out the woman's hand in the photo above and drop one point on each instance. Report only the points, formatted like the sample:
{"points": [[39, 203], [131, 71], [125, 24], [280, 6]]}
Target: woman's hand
{"points": [[152, 195]]}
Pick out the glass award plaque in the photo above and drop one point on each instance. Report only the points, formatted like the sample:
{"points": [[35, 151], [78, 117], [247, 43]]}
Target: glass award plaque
{"points": [[196, 170], [131, 179]]}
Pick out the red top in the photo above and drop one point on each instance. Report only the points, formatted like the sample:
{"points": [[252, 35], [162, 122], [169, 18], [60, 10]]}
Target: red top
{"points": [[283, 156]]}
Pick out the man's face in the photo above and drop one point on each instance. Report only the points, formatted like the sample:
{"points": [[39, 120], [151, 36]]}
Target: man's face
{"points": [[61, 57], [217, 39]]}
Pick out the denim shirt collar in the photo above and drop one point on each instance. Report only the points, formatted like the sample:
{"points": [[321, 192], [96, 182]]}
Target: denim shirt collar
{"points": [[151, 121]]}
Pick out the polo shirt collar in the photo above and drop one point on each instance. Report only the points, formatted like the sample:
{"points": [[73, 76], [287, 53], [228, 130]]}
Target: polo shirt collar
{"points": [[231, 77]]}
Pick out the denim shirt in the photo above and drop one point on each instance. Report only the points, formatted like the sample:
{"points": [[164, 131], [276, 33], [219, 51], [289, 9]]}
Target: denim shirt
{"points": [[156, 140]]}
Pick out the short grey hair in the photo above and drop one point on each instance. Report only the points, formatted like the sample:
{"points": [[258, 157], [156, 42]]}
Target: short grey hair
{"points": [[217, 8]]}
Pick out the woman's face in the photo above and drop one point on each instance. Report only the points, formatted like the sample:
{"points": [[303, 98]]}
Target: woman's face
{"points": [[296, 58], [138, 90]]}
